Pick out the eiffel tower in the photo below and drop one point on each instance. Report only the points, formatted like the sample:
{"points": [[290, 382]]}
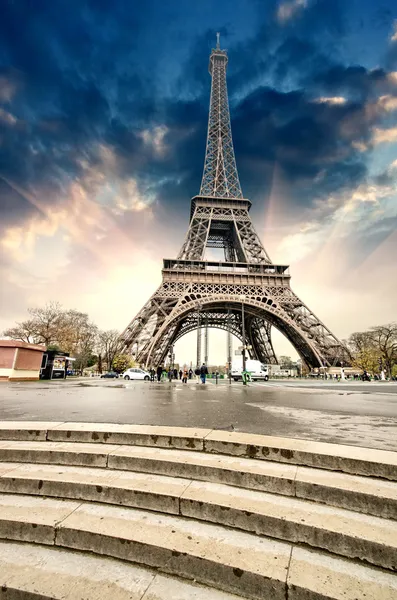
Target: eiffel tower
{"points": [[196, 293]]}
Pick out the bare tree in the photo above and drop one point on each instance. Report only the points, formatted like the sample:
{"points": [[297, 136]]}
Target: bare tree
{"points": [[363, 351], [385, 340], [24, 332], [109, 344], [51, 325], [42, 328]]}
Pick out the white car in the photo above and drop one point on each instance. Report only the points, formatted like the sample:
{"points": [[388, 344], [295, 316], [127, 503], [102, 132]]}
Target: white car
{"points": [[136, 373]]}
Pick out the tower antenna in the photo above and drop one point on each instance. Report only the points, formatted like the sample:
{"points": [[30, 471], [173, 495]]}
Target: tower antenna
{"points": [[218, 45]]}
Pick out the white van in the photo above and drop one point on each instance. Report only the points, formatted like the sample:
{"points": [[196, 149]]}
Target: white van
{"points": [[255, 367]]}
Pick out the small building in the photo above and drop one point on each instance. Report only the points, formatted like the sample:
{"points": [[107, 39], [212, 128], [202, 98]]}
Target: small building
{"points": [[281, 371], [55, 364], [20, 361]]}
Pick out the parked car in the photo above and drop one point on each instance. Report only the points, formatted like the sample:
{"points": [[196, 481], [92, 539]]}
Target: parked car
{"points": [[110, 375], [136, 373]]}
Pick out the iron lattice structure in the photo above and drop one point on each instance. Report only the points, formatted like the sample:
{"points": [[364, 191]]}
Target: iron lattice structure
{"points": [[220, 177], [196, 293]]}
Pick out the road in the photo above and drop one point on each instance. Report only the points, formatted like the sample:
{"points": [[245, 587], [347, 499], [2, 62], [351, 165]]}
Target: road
{"points": [[357, 413]]}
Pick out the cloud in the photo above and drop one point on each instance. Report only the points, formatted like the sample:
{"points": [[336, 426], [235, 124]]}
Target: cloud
{"points": [[388, 103], [393, 37], [382, 136], [331, 100], [347, 219], [7, 117], [288, 10]]}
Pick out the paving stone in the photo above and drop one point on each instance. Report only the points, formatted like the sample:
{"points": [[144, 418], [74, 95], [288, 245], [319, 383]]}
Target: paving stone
{"points": [[315, 576]]}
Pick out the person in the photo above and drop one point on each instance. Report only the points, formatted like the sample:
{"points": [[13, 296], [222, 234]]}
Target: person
{"points": [[180, 374], [190, 373], [175, 373], [170, 374], [159, 373], [152, 374], [203, 372], [185, 375]]}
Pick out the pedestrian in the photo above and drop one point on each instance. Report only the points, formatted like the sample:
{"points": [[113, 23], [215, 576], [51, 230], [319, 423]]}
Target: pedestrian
{"points": [[152, 374], [175, 373], [170, 374], [159, 373], [185, 375], [190, 373], [180, 374], [203, 372]]}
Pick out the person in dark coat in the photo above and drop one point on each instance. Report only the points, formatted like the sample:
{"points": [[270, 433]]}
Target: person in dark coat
{"points": [[159, 372], [203, 372], [180, 374], [175, 373]]}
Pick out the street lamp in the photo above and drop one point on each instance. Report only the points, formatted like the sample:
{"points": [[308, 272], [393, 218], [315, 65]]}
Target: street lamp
{"points": [[242, 298], [198, 358]]}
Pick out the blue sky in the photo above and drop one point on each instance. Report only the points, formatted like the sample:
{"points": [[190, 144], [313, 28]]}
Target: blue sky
{"points": [[103, 114]]}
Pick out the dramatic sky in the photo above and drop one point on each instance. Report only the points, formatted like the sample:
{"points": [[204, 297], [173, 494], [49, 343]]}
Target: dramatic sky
{"points": [[103, 115]]}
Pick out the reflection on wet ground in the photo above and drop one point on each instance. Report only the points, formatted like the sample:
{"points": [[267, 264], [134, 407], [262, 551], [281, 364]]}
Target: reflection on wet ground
{"points": [[358, 414]]}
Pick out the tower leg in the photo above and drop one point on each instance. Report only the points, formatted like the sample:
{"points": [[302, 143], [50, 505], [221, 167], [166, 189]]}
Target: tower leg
{"points": [[260, 336]]}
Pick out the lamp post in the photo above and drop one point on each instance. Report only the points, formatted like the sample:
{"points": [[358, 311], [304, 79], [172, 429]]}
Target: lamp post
{"points": [[198, 336], [242, 298], [229, 346]]}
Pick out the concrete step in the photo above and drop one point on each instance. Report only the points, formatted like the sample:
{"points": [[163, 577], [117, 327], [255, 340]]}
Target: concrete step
{"points": [[371, 496], [235, 562], [346, 459], [28, 571], [343, 532]]}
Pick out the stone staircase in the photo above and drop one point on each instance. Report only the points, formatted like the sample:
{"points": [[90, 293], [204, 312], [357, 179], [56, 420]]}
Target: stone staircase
{"points": [[90, 511]]}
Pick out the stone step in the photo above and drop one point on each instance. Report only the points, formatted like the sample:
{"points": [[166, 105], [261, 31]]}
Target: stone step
{"points": [[57, 574], [347, 459], [233, 561], [236, 562], [343, 532], [363, 494]]}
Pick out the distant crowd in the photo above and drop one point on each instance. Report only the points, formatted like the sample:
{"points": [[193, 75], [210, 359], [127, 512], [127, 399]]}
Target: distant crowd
{"points": [[183, 375]]}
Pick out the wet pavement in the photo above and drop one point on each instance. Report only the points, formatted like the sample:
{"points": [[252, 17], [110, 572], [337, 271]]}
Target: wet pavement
{"points": [[357, 413]]}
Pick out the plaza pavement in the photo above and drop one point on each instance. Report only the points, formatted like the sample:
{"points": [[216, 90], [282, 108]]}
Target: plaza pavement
{"points": [[355, 413]]}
